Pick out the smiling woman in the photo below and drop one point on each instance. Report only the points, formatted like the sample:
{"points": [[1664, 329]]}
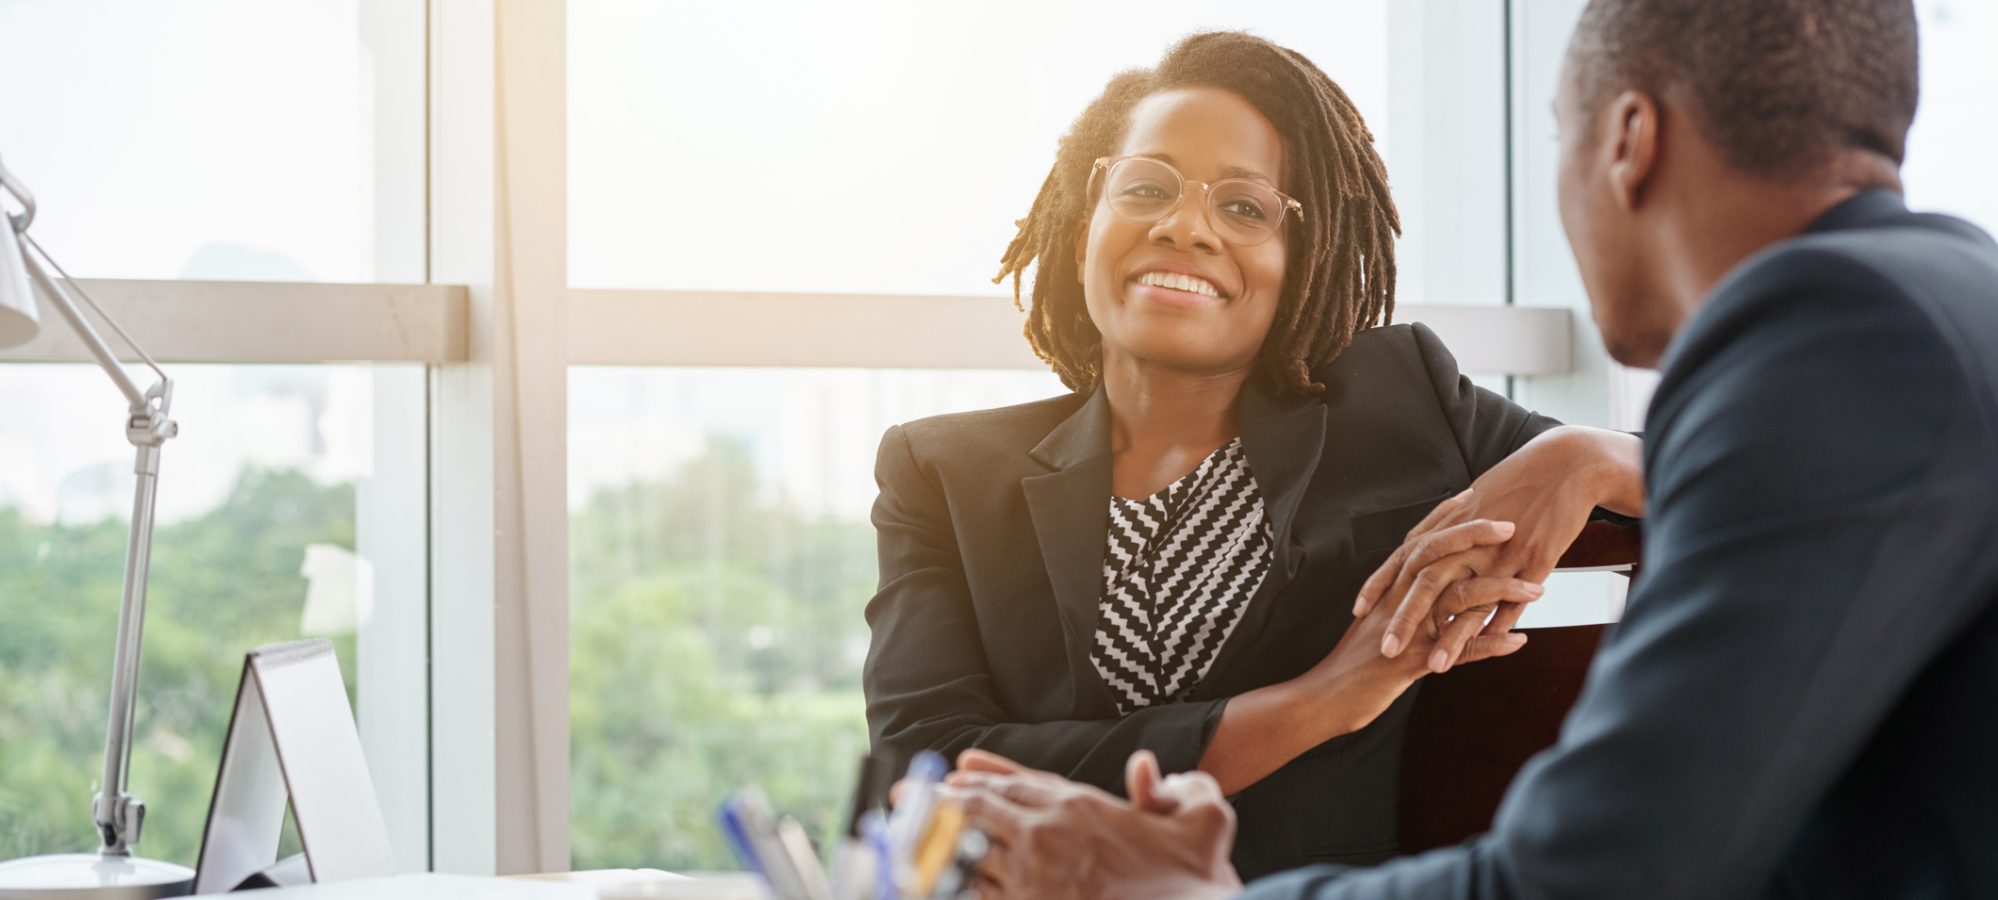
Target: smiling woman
{"points": [[1166, 558]]}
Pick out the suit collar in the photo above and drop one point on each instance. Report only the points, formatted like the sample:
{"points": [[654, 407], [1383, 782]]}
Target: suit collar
{"points": [[1070, 507], [1861, 210], [1083, 436], [1284, 438]]}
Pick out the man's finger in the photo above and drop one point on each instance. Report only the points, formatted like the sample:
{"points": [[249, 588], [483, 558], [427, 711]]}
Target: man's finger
{"points": [[976, 760], [1183, 789], [1026, 791], [1141, 781], [992, 869], [1000, 819]]}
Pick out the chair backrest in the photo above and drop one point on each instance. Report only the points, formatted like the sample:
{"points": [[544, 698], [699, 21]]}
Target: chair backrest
{"points": [[1474, 727]]}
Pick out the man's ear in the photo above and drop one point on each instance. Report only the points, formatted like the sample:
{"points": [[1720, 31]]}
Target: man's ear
{"points": [[1632, 118]]}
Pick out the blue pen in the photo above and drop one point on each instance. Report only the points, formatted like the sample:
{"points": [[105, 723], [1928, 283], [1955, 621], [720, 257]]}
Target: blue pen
{"points": [[874, 829], [738, 840], [748, 813], [912, 815]]}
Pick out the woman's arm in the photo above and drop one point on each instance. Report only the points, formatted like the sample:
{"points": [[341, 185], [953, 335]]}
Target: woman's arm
{"points": [[1263, 729], [1545, 477]]}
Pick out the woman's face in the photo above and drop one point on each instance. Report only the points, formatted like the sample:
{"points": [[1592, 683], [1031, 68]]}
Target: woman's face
{"points": [[1207, 134]]}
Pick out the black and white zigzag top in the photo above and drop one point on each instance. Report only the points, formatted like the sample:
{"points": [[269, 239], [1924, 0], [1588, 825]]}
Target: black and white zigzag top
{"points": [[1181, 566]]}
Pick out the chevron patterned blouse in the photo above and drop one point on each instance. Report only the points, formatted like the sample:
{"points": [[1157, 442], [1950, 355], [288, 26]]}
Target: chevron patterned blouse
{"points": [[1180, 567]]}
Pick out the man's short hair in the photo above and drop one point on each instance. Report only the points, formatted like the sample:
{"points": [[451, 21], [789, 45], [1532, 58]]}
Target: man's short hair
{"points": [[1780, 87]]}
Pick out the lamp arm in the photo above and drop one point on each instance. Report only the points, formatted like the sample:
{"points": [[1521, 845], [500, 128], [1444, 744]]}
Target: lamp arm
{"points": [[58, 292], [119, 816]]}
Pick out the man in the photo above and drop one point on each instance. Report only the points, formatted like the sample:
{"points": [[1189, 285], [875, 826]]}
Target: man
{"points": [[1802, 698]]}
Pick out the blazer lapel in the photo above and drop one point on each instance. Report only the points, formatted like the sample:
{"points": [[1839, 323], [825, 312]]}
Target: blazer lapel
{"points": [[1284, 439], [1071, 512]]}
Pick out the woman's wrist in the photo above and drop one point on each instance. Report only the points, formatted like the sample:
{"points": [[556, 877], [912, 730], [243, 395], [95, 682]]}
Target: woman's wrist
{"points": [[1341, 701], [1608, 463]]}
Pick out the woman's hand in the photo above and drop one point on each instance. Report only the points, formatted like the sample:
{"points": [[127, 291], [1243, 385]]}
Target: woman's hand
{"points": [[1054, 838], [1364, 682], [1548, 488]]}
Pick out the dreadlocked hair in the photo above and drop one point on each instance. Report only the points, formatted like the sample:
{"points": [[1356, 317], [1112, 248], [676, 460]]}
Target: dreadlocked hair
{"points": [[1340, 275]]}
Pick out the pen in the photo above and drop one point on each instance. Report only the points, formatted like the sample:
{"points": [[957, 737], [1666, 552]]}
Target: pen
{"points": [[874, 827], [912, 815], [757, 824], [853, 865], [938, 845], [798, 850]]}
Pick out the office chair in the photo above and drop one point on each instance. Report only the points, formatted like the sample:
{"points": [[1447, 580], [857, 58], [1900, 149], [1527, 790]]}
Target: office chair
{"points": [[1474, 727]]}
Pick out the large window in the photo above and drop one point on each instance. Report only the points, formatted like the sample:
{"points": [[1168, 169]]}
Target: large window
{"points": [[720, 562], [870, 148], [210, 140], [259, 539], [219, 139]]}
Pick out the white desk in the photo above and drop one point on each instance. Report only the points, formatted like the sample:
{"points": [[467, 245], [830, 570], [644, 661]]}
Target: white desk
{"points": [[616, 884]]}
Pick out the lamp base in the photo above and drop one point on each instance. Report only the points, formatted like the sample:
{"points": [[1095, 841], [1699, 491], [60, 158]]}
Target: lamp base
{"points": [[76, 876]]}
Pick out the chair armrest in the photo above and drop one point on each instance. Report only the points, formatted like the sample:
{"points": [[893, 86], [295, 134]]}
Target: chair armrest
{"points": [[1606, 545]]}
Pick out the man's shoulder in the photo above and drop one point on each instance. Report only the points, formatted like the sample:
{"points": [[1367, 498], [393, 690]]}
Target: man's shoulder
{"points": [[1914, 264], [1921, 284], [1828, 336]]}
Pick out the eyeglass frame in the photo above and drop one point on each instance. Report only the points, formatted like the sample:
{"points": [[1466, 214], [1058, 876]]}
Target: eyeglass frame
{"points": [[1290, 204]]}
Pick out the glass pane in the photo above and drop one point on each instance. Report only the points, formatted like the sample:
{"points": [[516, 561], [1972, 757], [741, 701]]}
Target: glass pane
{"points": [[876, 148], [219, 139], [1949, 150], [720, 561], [257, 541]]}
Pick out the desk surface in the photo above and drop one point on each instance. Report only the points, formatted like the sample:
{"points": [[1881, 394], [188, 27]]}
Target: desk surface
{"points": [[616, 884]]}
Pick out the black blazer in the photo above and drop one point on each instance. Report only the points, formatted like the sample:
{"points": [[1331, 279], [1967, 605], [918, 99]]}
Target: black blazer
{"points": [[1802, 697], [992, 527]]}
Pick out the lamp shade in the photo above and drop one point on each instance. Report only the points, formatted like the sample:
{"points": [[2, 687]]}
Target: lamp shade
{"points": [[18, 321]]}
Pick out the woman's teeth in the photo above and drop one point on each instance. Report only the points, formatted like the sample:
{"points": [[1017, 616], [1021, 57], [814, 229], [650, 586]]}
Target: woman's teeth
{"points": [[1190, 283]]}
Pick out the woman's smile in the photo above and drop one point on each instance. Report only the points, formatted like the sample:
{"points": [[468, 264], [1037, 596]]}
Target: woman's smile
{"points": [[1176, 285]]}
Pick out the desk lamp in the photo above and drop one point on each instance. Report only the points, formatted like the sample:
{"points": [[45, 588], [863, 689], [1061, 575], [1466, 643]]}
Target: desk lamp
{"points": [[111, 872]]}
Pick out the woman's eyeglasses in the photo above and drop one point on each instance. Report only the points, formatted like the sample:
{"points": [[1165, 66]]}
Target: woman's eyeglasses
{"points": [[1243, 211]]}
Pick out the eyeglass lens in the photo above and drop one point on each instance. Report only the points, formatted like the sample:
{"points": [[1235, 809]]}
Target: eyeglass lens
{"points": [[1242, 211]]}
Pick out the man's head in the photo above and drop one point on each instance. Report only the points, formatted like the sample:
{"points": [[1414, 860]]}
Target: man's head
{"points": [[1691, 130]]}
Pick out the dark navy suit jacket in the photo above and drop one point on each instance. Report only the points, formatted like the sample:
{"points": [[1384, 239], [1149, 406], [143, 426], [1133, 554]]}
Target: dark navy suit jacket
{"points": [[1802, 698]]}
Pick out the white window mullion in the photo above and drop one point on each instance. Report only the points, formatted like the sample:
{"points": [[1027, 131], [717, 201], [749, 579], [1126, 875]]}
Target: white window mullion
{"points": [[499, 527], [1544, 274]]}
